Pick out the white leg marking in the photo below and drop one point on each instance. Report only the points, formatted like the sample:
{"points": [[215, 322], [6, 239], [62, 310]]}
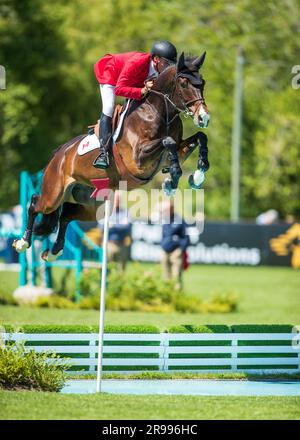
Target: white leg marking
{"points": [[49, 257]]}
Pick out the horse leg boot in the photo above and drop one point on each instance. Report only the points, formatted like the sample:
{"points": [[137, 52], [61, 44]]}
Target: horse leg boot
{"points": [[64, 220], [203, 163], [25, 242], [175, 169], [105, 136], [57, 249], [197, 178]]}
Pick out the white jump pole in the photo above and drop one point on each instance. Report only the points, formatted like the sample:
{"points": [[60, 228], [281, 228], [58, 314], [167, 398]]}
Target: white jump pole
{"points": [[102, 294]]}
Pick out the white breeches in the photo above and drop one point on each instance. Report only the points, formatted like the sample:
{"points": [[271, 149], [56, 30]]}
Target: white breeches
{"points": [[108, 99]]}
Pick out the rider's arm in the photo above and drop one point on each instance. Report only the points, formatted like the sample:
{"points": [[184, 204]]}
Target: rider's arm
{"points": [[124, 87]]}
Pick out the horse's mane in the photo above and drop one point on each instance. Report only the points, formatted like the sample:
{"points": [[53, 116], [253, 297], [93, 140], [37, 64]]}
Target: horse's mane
{"points": [[161, 79]]}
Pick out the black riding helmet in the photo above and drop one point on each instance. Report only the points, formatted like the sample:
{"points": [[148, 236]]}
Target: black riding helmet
{"points": [[164, 49]]}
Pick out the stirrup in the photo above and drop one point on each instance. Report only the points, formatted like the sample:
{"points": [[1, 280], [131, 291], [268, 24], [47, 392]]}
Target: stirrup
{"points": [[102, 161]]}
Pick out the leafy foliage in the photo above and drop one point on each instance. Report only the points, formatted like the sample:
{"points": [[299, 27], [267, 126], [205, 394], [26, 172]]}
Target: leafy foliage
{"points": [[30, 370], [44, 328], [138, 290], [144, 290]]}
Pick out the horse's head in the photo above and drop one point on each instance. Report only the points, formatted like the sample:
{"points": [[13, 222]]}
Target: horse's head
{"points": [[189, 92]]}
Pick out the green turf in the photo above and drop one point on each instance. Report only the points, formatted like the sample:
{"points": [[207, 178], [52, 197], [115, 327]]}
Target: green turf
{"points": [[268, 295], [38, 405]]}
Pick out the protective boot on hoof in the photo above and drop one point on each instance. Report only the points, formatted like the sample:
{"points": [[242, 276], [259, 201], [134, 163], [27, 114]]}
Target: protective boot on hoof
{"points": [[20, 245]]}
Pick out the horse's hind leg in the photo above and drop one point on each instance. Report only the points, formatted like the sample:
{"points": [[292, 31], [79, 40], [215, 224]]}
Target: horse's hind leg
{"points": [[57, 249], [70, 211], [49, 202], [25, 242]]}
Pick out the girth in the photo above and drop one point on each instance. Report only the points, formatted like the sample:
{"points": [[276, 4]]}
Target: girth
{"points": [[125, 174]]}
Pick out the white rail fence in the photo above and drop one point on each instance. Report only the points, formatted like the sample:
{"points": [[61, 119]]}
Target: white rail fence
{"points": [[170, 352]]}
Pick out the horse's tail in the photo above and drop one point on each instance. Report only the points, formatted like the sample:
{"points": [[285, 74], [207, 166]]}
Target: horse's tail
{"points": [[48, 223]]}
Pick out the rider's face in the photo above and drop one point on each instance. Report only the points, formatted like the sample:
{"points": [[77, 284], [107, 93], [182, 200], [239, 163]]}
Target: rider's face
{"points": [[159, 64]]}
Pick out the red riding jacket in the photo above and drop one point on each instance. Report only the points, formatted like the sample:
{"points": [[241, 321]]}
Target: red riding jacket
{"points": [[126, 71]]}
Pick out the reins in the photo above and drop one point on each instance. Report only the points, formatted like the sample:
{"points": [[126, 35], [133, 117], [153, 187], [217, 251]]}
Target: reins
{"points": [[167, 100]]}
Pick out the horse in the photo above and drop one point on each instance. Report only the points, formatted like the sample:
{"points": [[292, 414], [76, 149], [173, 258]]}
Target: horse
{"points": [[150, 141]]}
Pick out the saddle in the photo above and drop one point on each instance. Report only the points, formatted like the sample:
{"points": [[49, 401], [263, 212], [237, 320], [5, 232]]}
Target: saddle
{"points": [[119, 116]]}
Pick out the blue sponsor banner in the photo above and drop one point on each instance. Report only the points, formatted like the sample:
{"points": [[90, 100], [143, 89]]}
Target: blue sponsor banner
{"points": [[226, 243]]}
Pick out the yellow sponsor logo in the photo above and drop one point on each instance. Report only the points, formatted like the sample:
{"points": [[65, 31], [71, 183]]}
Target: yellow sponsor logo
{"points": [[288, 244]]}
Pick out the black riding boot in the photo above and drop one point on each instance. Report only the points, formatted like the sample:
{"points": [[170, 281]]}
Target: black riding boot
{"points": [[105, 136]]}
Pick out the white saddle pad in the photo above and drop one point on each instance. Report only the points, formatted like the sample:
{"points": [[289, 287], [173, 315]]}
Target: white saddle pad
{"points": [[88, 143], [91, 142]]}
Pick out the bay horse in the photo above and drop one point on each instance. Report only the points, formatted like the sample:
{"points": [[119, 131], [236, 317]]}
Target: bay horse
{"points": [[150, 141]]}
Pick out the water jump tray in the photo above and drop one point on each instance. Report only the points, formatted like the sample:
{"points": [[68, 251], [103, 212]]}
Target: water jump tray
{"points": [[187, 387]]}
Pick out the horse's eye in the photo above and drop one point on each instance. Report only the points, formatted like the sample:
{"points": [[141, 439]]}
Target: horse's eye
{"points": [[184, 84]]}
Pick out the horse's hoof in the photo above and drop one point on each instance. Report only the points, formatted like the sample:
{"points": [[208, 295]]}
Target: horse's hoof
{"points": [[168, 188], [196, 179], [20, 245], [49, 257]]}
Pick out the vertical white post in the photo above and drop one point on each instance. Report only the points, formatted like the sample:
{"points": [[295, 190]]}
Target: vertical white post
{"points": [[102, 294], [236, 138]]}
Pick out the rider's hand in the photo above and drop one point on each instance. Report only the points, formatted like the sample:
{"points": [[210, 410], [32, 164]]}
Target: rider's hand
{"points": [[144, 91], [148, 85]]}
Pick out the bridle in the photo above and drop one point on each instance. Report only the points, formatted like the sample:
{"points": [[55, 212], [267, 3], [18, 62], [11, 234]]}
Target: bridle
{"points": [[185, 104]]}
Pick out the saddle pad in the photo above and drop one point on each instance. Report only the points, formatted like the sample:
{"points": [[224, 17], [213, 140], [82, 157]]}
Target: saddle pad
{"points": [[88, 143], [91, 141]]}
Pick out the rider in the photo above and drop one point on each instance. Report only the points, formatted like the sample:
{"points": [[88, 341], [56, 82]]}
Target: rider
{"points": [[126, 75]]}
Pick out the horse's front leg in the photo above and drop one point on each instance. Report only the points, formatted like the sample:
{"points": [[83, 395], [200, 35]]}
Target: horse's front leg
{"points": [[24, 243], [203, 163], [153, 150], [187, 146], [170, 184]]}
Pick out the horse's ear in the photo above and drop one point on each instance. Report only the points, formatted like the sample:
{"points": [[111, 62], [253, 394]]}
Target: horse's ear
{"points": [[181, 64], [199, 61]]}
